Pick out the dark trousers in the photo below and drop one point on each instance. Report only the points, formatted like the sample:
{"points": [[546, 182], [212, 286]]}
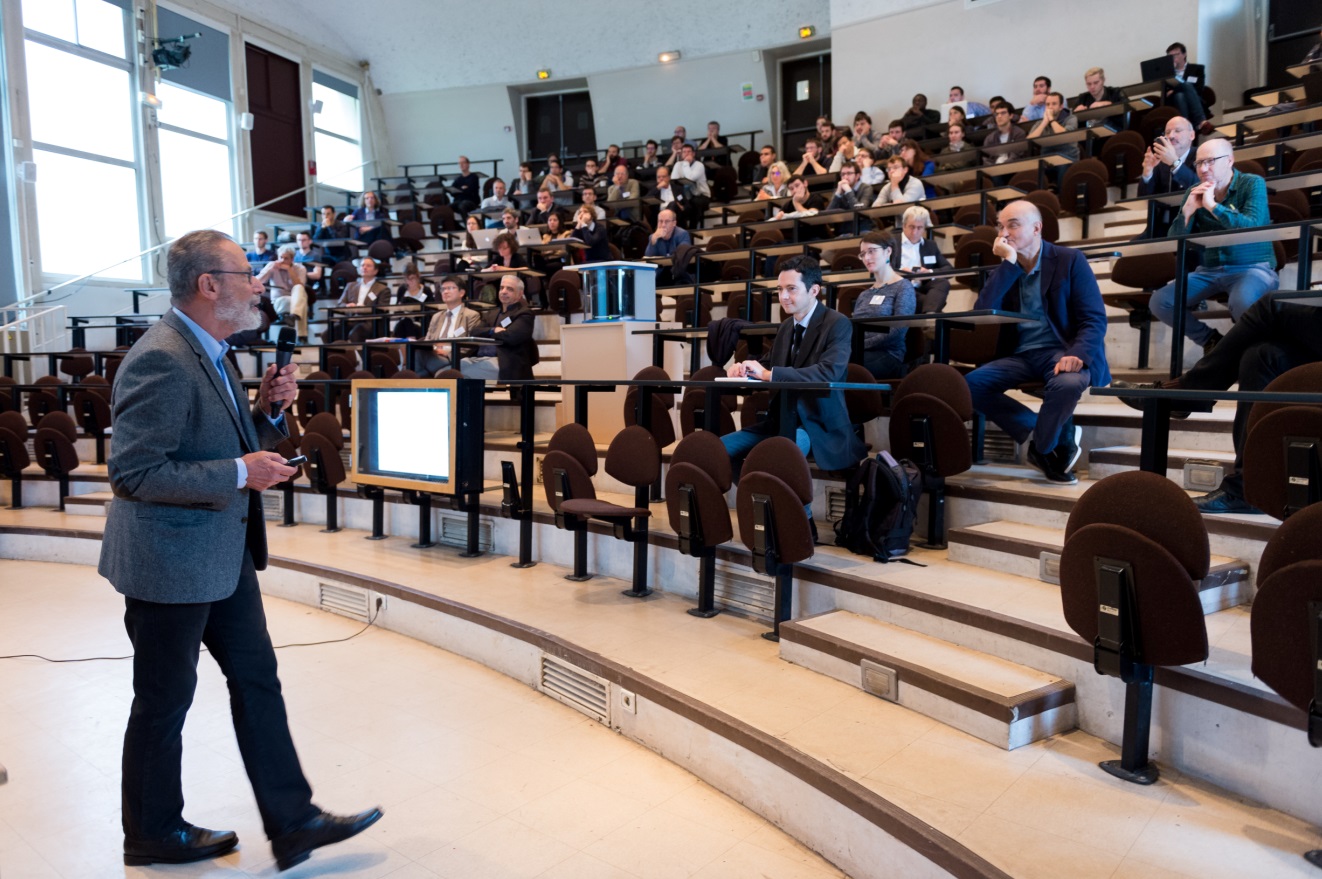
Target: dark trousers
{"points": [[166, 640], [1265, 342]]}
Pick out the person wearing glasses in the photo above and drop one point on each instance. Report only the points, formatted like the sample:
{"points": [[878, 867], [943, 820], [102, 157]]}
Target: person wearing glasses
{"points": [[915, 253], [184, 540], [1223, 200], [890, 294]]}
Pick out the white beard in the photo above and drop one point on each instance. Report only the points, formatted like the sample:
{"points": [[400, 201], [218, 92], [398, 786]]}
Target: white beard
{"points": [[236, 312]]}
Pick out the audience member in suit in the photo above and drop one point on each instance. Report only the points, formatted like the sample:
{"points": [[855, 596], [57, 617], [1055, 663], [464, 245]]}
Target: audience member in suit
{"points": [[672, 196], [914, 252], [890, 294], [592, 232], [469, 187], [851, 192], [1268, 340], [1065, 347], [261, 252], [1187, 97], [623, 188], [368, 289], [454, 321], [184, 540], [1168, 167], [369, 219], [811, 345], [513, 352], [545, 205], [1224, 199]]}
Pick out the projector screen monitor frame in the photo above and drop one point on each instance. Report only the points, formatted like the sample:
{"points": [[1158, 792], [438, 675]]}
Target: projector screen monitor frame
{"points": [[420, 435]]}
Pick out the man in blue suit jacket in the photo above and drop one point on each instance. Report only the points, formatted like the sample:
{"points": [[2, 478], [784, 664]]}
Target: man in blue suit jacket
{"points": [[1065, 347]]}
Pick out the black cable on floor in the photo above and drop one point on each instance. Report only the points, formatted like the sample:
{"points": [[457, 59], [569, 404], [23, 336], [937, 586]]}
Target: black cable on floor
{"points": [[370, 621]]}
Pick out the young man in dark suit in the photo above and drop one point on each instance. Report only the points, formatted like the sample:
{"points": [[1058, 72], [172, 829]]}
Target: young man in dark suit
{"points": [[184, 539], [1065, 347], [812, 345], [1187, 96]]}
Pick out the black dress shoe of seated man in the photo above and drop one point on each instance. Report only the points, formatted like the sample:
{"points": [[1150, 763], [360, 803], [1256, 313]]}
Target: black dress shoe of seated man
{"points": [[1142, 405], [296, 846], [183, 846], [1221, 501]]}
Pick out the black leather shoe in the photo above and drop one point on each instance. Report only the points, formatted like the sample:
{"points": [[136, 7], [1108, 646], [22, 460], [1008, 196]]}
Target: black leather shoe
{"points": [[324, 829], [1212, 341], [1050, 469], [1221, 502], [1142, 405], [185, 845]]}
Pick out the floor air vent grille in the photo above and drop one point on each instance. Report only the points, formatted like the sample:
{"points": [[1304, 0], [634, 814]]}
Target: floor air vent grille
{"points": [[745, 594], [454, 532], [576, 688], [344, 600], [999, 447], [835, 504]]}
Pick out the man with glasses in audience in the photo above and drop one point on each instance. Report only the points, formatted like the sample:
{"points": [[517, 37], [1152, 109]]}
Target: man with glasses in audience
{"points": [[1167, 167], [851, 192], [1223, 200], [915, 253], [454, 321]]}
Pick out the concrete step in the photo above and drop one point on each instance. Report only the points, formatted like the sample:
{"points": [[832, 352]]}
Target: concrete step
{"points": [[1000, 702], [1034, 551], [1191, 469]]}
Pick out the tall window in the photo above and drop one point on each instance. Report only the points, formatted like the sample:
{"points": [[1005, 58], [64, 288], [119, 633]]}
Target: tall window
{"points": [[81, 105], [337, 132], [197, 189]]}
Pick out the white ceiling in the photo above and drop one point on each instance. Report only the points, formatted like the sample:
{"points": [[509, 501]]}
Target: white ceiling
{"points": [[420, 45]]}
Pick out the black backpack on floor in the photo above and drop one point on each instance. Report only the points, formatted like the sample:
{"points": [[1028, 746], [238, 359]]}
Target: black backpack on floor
{"points": [[881, 504]]}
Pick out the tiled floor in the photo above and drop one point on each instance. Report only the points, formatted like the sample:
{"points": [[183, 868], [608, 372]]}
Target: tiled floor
{"points": [[480, 776], [413, 734]]}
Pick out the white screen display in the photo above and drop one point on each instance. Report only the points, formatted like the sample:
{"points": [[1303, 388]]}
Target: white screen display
{"points": [[413, 433]]}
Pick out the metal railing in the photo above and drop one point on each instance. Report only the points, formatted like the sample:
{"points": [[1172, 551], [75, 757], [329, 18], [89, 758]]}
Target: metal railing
{"points": [[31, 329]]}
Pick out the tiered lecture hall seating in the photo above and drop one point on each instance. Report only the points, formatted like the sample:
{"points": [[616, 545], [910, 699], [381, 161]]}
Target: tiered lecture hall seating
{"points": [[977, 643]]}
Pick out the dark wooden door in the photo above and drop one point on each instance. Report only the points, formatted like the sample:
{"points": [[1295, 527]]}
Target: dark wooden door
{"points": [[277, 133], [561, 124], [1292, 29], [805, 94]]}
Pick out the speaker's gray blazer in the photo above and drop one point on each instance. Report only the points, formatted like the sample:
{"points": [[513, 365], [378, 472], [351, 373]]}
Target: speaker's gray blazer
{"points": [[176, 529]]}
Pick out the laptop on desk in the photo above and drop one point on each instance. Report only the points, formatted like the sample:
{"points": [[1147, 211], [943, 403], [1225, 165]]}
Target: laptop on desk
{"points": [[1157, 68], [482, 238], [529, 235]]}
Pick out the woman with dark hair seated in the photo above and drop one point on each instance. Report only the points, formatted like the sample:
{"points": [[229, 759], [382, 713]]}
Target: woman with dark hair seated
{"points": [[883, 353], [920, 164]]}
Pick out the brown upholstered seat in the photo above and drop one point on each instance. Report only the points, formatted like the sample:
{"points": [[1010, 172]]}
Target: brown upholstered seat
{"points": [[344, 398], [564, 294], [693, 405], [662, 426], [91, 405], [633, 458], [1083, 190], [54, 446], [1281, 625], [1122, 154], [928, 413], [14, 458], [383, 364], [1146, 274], [44, 399], [775, 486], [1134, 545], [325, 467], [311, 398], [696, 483], [76, 367], [1273, 434]]}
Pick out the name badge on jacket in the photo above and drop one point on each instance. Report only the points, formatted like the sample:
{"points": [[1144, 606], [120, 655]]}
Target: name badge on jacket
{"points": [[929, 260], [505, 322]]}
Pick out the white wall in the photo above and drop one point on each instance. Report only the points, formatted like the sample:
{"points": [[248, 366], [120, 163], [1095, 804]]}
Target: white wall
{"points": [[879, 64], [438, 125], [650, 101]]}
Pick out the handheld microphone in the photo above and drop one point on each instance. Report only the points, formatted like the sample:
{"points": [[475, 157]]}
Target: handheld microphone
{"points": [[284, 350]]}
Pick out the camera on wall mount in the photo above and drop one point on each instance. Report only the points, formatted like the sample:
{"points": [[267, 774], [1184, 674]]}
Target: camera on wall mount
{"points": [[173, 52]]}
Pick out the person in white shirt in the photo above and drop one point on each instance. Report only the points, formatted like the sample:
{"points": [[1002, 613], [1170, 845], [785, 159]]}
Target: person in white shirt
{"points": [[455, 321], [688, 168]]}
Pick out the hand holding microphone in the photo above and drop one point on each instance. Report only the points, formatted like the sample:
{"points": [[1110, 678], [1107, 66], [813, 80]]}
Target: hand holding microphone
{"points": [[279, 387]]}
